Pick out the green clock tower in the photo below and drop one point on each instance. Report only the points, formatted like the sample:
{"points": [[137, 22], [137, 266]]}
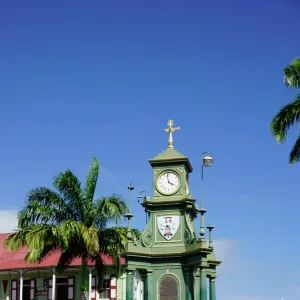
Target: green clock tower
{"points": [[170, 261]]}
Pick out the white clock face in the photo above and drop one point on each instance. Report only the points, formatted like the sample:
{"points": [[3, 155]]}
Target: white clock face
{"points": [[168, 183]]}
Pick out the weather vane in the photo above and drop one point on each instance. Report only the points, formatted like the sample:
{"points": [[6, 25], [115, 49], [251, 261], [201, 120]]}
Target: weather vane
{"points": [[170, 130]]}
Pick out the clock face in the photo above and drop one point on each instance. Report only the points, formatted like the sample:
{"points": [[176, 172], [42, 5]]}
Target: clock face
{"points": [[168, 183]]}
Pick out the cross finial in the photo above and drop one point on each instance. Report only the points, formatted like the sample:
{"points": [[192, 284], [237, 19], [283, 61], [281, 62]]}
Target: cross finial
{"points": [[170, 130]]}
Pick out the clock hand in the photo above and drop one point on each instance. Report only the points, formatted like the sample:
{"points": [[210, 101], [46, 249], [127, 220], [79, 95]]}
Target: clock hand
{"points": [[169, 180]]}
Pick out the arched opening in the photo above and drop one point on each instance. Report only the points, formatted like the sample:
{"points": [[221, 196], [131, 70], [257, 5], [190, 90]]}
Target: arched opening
{"points": [[168, 288]]}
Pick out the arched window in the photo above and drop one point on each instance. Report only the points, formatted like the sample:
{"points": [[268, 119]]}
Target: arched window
{"points": [[168, 288]]}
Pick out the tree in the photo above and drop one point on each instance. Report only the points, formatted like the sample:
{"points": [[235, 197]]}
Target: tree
{"points": [[70, 220], [290, 113]]}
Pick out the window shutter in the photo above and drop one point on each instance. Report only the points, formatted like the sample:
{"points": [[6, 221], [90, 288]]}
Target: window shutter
{"points": [[50, 289], [14, 290], [93, 296], [113, 288], [32, 289], [70, 288]]}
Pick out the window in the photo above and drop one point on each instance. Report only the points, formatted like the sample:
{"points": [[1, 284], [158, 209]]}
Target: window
{"points": [[93, 296], [113, 288], [105, 288], [71, 288], [50, 282], [64, 288], [32, 289], [28, 289], [14, 290]]}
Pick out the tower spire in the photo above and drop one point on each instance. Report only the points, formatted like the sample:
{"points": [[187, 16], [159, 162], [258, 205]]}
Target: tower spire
{"points": [[170, 130]]}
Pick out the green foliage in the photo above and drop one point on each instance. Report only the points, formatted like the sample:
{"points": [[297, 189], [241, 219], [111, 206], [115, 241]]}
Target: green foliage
{"points": [[292, 74], [290, 113], [71, 220]]}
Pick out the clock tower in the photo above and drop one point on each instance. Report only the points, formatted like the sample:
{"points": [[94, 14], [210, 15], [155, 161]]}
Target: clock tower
{"points": [[170, 261]]}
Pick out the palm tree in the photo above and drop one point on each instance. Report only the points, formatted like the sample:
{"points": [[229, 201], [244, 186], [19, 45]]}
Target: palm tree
{"points": [[290, 113], [70, 220]]}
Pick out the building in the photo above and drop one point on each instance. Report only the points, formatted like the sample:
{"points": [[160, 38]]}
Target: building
{"points": [[170, 261], [21, 281]]}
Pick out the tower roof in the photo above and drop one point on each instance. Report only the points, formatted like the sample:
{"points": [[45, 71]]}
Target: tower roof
{"points": [[170, 155]]}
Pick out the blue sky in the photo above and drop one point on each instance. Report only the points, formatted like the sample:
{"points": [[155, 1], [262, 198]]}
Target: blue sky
{"points": [[103, 78]]}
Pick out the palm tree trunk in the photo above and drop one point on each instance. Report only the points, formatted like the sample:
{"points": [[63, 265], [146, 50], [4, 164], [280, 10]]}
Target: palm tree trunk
{"points": [[84, 278]]}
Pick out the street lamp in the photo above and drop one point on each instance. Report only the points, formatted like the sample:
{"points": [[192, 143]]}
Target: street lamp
{"points": [[207, 161], [140, 196], [130, 188], [129, 215]]}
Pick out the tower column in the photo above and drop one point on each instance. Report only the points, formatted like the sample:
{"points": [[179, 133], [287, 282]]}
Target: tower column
{"points": [[148, 286], [197, 284], [202, 239], [203, 288], [189, 286], [212, 288], [129, 285]]}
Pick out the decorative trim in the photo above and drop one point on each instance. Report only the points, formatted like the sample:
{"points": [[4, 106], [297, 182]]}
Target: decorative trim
{"points": [[147, 239], [187, 237], [138, 242], [179, 169]]}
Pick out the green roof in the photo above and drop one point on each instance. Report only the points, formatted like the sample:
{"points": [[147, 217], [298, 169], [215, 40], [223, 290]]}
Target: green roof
{"points": [[169, 153]]}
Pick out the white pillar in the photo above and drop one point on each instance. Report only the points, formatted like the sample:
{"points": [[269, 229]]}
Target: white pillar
{"points": [[21, 285], [90, 284], [53, 284], [124, 284]]}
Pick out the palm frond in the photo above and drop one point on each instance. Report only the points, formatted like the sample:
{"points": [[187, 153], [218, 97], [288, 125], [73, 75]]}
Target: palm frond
{"points": [[295, 153], [122, 231], [42, 240], [112, 242], [70, 187], [71, 229], [90, 239], [108, 209], [68, 255], [286, 117], [43, 206], [292, 74], [16, 240], [91, 179], [66, 259]]}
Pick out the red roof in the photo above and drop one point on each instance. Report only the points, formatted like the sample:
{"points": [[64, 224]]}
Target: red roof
{"points": [[15, 259]]}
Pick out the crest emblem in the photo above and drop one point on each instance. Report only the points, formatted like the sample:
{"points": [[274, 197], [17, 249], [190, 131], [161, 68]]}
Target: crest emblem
{"points": [[168, 226]]}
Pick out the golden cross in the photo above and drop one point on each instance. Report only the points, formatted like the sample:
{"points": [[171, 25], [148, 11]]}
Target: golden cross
{"points": [[171, 129]]}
